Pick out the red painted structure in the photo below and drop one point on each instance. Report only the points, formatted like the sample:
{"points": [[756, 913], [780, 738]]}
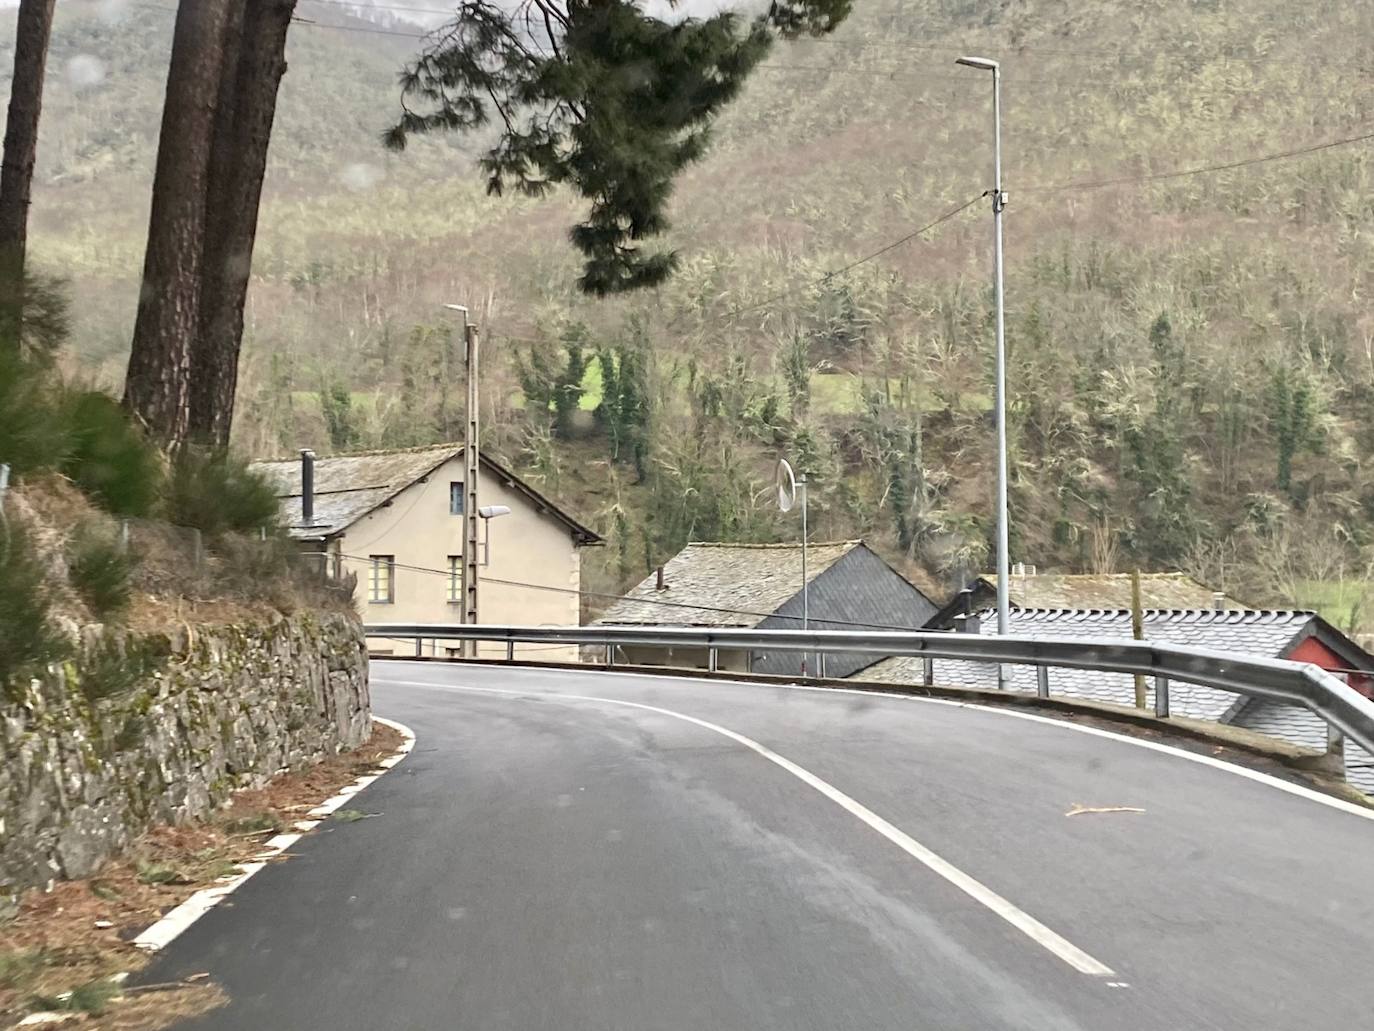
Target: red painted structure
{"points": [[1311, 650]]}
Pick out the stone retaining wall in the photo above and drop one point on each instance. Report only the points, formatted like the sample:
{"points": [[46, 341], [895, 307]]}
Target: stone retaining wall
{"points": [[147, 729]]}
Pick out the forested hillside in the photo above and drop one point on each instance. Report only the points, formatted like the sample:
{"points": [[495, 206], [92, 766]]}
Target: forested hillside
{"points": [[1192, 357]]}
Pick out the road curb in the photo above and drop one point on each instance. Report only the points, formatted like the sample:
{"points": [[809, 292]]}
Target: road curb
{"points": [[161, 934]]}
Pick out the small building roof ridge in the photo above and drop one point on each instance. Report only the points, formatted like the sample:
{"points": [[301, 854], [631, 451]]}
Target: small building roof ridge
{"points": [[364, 453], [779, 545]]}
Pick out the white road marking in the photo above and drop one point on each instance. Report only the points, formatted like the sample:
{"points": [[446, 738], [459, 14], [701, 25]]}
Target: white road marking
{"points": [[1257, 776], [162, 933], [1022, 921]]}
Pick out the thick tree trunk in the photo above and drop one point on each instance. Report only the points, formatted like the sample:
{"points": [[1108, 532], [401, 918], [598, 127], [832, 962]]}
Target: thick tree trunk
{"points": [[157, 385], [21, 148], [243, 130]]}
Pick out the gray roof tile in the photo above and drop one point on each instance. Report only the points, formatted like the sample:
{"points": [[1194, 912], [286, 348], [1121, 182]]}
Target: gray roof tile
{"points": [[724, 584], [1109, 591], [1303, 727], [1252, 631]]}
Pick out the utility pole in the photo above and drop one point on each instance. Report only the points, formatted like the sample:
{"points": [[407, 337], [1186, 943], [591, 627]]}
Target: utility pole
{"points": [[806, 595], [468, 613], [999, 202]]}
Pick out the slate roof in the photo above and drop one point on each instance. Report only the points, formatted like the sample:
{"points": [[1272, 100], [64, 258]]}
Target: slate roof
{"points": [[750, 581], [1253, 631], [1303, 727], [349, 486], [1103, 591]]}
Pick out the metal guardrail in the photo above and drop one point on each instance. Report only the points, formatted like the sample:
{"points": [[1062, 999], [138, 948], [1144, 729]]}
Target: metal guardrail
{"points": [[1345, 711]]}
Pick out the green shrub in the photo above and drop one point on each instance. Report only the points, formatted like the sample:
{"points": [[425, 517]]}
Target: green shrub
{"points": [[27, 637], [109, 458], [217, 493], [116, 664], [101, 572], [33, 437]]}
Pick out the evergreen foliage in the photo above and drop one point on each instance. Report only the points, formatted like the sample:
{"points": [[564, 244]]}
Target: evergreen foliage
{"points": [[107, 456], [101, 572], [608, 98], [215, 492]]}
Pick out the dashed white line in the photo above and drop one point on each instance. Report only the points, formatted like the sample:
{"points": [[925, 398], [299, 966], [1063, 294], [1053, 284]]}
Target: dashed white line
{"points": [[1051, 941]]}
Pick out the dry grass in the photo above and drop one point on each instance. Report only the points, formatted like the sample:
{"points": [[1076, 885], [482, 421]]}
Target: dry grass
{"points": [[233, 580], [79, 932]]}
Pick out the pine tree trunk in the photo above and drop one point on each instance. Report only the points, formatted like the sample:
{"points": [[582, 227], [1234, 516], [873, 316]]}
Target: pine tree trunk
{"points": [[21, 148], [157, 385], [243, 130]]}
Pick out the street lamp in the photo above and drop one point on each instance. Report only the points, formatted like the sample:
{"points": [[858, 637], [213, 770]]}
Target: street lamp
{"points": [[999, 202], [488, 513]]}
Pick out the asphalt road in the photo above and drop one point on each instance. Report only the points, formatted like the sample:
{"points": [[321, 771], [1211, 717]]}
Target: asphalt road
{"points": [[790, 860]]}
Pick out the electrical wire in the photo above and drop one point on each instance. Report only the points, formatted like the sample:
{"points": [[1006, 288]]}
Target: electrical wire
{"points": [[1282, 155], [639, 601], [730, 316]]}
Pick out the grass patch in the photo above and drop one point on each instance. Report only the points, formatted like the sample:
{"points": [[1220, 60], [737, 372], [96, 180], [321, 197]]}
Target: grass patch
{"points": [[1346, 604], [101, 572], [27, 638], [159, 873], [93, 997], [115, 665], [254, 823], [19, 967]]}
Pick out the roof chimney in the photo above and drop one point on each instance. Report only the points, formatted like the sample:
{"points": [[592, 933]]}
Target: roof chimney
{"points": [[659, 585], [307, 487], [1219, 601]]}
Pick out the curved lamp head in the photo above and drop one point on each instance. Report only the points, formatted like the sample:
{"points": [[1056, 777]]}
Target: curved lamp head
{"points": [[987, 64]]}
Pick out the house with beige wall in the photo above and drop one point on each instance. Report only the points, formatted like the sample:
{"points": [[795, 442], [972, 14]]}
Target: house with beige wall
{"points": [[395, 520]]}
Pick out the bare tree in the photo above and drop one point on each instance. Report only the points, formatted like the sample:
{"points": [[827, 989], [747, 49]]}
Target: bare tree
{"points": [[32, 32], [255, 64], [157, 384]]}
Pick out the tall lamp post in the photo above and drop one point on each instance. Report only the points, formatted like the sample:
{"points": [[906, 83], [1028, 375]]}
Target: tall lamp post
{"points": [[468, 613], [999, 202]]}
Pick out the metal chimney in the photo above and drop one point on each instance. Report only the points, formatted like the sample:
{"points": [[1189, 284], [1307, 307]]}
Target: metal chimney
{"points": [[1219, 601], [307, 487], [660, 585]]}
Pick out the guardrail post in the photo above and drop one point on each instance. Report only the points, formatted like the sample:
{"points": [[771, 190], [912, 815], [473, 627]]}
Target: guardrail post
{"points": [[510, 651], [820, 665], [927, 671], [1162, 697], [419, 647], [610, 655], [1335, 740], [1042, 681], [712, 659]]}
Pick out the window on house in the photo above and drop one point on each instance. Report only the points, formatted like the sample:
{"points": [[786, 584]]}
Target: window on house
{"points": [[381, 579], [455, 579], [455, 498]]}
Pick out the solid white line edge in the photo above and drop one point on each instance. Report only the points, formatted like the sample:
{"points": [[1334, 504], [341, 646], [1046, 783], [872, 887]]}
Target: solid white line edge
{"points": [[1050, 940], [177, 920]]}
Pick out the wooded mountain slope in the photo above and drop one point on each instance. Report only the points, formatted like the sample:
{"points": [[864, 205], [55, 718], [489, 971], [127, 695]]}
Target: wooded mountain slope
{"points": [[1192, 358]]}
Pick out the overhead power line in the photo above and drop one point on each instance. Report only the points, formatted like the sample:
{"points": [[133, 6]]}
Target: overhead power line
{"points": [[1282, 155], [827, 276]]}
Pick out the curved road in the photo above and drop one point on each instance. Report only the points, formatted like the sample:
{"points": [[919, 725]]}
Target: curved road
{"points": [[566, 851]]}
